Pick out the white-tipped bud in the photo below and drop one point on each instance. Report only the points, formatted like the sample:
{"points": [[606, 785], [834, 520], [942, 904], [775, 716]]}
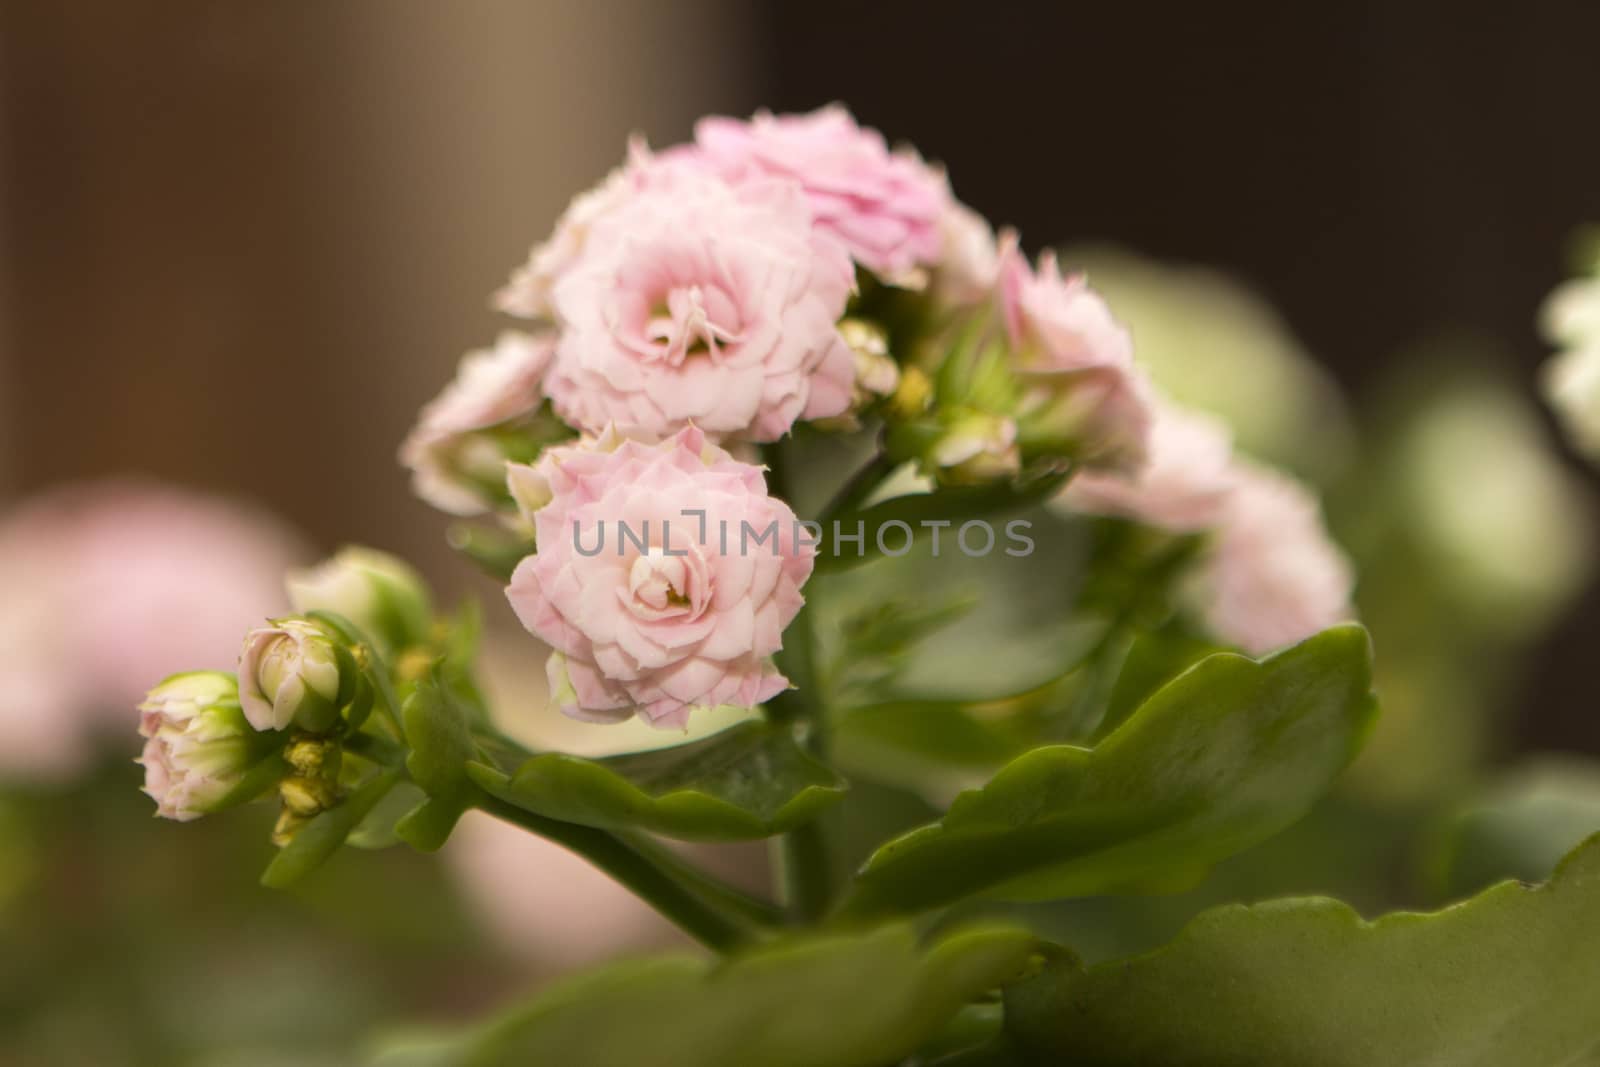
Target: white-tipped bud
{"points": [[290, 673], [877, 375], [198, 744], [380, 593], [976, 447]]}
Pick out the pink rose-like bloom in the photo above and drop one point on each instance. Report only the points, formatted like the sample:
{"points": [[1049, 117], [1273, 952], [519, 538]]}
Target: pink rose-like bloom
{"points": [[692, 619], [1185, 486], [528, 293], [492, 387], [700, 302], [885, 206], [1273, 575], [1077, 358]]}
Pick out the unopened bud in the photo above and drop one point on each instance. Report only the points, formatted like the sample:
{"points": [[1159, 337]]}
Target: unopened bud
{"points": [[380, 593], [290, 672], [198, 743], [976, 448]]}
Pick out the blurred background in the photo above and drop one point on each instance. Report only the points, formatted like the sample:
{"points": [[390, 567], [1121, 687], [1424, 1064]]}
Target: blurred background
{"points": [[242, 243]]}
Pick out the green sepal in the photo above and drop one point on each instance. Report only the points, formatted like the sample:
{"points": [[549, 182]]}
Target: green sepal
{"points": [[256, 782]]}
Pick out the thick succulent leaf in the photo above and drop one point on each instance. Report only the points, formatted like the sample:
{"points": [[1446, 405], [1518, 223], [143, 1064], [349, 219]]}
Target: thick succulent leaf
{"points": [[1224, 756], [842, 1001], [1520, 827], [1153, 660], [1510, 976], [320, 838], [946, 733], [751, 780]]}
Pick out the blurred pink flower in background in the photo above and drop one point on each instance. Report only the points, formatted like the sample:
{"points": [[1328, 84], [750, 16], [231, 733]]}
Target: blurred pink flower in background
{"points": [[544, 904], [1185, 486], [1076, 358], [1273, 575], [109, 588]]}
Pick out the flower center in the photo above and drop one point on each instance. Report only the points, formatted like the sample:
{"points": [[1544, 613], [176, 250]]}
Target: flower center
{"points": [[665, 587], [693, 320]]}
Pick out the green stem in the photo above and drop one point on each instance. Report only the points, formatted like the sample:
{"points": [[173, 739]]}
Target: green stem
{"points": [[803, 865], [861, 485], [658, 883], [806, 872]]}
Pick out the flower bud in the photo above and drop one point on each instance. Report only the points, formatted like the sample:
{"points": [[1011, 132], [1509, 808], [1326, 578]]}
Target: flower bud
{"points": [[976, 447], [877, 375], [198, 744], [378, 592], [290, 672], [914, 394]]}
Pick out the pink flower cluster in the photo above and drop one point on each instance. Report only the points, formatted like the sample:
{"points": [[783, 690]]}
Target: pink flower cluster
{"points": [[702, 296], [705, 284], [675, 617], [1270, 575]]}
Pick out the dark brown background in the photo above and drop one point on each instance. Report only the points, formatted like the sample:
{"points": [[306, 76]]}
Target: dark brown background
{"points": [[242, 242]]}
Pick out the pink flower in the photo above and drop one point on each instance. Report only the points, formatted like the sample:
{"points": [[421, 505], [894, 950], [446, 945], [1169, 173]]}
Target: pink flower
{"points": [[1185, 486], [1078, 359], [1273, 576], [528, 293], [969, 257], [664, 579], [452, 468], [697, 301], [886, 207]]}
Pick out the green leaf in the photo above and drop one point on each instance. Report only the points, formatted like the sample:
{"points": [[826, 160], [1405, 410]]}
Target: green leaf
{"points": [[843, 1001], [320, 838], [1153, 660], [441, 747], [1509, 977], [377, 830], [946, 733], [748, 781], [1521, 827], [953, 627], [1224, 756]]}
